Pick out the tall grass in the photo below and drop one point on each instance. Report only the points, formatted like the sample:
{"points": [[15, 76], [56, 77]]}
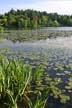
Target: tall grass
{"points": [[15, 85]]}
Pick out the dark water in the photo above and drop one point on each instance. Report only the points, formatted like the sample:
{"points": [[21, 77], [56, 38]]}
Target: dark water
{"points": [[56, 53]]}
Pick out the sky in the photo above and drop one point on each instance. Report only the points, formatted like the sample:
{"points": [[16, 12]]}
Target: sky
{"points": [[50, 6]]}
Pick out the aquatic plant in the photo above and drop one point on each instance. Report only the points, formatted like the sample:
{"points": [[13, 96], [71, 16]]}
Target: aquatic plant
{"points": [[15, 85], [14, 80]]}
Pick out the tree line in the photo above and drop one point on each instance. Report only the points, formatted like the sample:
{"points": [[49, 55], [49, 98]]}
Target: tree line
{"points": [[24, 19]]}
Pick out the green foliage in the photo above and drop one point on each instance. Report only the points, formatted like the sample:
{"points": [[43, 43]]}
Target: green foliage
{"points": [[1, 29], [41, 99], [14, 79], [24, 19], [15, 85]]}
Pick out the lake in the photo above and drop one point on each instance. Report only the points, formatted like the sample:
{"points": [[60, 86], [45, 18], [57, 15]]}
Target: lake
{"points": [[59, 28], [36, 34], [54, 53]]}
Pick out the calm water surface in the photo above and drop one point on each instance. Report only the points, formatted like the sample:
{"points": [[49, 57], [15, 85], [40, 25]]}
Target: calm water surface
{"points": [[59, 28]]}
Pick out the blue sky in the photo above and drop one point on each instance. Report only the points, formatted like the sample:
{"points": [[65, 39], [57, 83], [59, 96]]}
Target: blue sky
{"points": [[59, 6]]}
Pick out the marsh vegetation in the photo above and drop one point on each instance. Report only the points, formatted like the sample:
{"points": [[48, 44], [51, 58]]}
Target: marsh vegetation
{"points": [[36, 72]]}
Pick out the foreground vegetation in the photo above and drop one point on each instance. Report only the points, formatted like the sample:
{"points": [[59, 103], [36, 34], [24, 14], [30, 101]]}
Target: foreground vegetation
{"points": [[24, 19], [15, 85], [25, 86]]}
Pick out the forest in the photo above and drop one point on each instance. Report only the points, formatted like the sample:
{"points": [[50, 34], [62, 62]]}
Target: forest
{"points": [[30, 19]]}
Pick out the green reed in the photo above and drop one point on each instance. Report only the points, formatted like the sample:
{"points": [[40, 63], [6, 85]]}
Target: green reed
{"points": [[15, 85]]}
